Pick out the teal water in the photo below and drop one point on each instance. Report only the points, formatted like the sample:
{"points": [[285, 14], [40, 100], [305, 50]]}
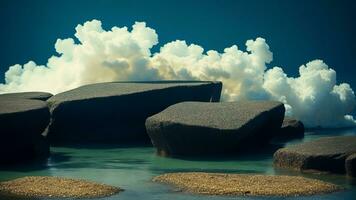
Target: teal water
{"points": [[132, 168]]}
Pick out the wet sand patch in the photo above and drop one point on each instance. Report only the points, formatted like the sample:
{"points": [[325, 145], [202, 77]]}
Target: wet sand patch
{"points": [[246, 184], [56, 187]]}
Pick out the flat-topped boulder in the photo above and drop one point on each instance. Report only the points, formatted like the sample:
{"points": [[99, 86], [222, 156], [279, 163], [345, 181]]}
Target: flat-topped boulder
{"points": [[196, 128], [22, 121], [291, 128], [325, 154], [116, 112], [28, 95]]}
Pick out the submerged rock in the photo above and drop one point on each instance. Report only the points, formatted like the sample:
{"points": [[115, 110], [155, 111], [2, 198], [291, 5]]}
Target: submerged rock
{"points": [[326, 154], [22, 122], [350, 165], [116, 112], [246, 184], [196, 128], [291, 128], [43, 96]]}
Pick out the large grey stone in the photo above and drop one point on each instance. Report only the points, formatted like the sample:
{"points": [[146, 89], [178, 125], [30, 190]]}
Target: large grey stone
{"points": [[28, 95], [22, 122], [195, 128], [325, 154], [116, 112]]}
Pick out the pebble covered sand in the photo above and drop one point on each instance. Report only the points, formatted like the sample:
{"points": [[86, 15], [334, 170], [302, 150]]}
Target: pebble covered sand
{"points": [[244, 184], [43, 186]]}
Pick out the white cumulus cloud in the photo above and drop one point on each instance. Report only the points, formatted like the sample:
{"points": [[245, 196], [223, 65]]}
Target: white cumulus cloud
{"points": [[121, 54], [314, 96]]}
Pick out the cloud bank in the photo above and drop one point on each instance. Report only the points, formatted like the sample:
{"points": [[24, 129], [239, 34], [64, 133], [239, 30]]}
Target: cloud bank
{"points": [[122, 54]]}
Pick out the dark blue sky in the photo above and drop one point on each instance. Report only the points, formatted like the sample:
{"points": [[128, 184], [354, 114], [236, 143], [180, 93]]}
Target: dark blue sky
{"points": [[297, 31]]}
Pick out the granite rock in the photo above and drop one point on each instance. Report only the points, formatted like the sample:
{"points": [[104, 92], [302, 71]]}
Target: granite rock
{"points": [[116, 112], [43, 96], [325, 154], [196, 128], [22, 122]]}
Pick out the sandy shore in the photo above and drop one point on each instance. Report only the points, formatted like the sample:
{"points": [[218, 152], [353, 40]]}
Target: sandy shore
{"points": [[244, 184], [42, 186]]}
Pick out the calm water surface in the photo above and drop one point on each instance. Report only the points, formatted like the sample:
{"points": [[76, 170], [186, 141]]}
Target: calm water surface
{"points": [[132, 168]]}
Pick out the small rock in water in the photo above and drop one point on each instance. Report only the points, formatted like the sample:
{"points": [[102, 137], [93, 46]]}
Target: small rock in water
{"points": [[325, 154]]}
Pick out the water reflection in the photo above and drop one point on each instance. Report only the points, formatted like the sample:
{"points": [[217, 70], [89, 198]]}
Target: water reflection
{"points": [[133, 168]]}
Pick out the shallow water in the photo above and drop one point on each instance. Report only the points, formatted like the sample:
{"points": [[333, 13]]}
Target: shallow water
{"points": [[132, 168]]}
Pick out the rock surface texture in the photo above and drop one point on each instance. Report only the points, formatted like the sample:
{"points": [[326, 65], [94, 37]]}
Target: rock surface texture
{"points": [[327, 154], [116, 112], [196, 128], [43, 96], [22, 121]]}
